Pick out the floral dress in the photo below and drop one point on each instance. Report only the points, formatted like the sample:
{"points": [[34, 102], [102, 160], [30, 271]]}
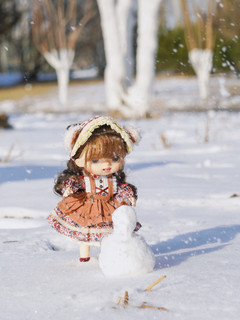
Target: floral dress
{"points": [[87, 215]]}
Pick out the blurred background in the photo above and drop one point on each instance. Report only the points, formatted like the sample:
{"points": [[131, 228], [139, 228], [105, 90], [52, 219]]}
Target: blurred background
{"points": [[169, 68], [129, 44]]}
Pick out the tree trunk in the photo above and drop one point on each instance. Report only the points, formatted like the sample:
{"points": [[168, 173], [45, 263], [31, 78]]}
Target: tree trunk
{"points": [[125, 16], [201, 60], [61, 61], [117, 20], [4, 58], [114, 72], [139, 94], [63, 81]]}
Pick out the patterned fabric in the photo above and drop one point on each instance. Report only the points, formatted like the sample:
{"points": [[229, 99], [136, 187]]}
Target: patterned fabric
{"points": [[93, 234], [68, 225], [72, 185], [123, 191]]}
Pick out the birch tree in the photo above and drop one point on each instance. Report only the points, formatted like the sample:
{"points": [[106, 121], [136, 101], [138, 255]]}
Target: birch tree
{"points": [[199, 38], [118, 19], [55, 29]]}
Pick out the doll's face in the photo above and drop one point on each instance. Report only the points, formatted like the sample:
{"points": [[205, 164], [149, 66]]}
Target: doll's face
{"points": [[102, 155], [104, 167]]}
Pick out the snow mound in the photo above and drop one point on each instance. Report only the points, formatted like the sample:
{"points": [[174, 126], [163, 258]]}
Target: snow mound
{"points": [[123, 252]]}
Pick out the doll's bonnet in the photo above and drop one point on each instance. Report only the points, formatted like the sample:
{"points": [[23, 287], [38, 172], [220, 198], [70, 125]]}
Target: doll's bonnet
{"points": [[85, 129]]}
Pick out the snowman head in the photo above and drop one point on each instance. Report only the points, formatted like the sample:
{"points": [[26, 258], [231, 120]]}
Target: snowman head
{"points": [[124, 221]]}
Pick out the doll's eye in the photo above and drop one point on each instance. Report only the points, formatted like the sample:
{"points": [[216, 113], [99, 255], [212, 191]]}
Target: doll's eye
{"points": [[116, 159], [94, 161]]}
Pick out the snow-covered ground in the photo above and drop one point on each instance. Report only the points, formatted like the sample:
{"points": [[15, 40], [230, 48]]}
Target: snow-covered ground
{"points": [[185, 206], [169, 93]]}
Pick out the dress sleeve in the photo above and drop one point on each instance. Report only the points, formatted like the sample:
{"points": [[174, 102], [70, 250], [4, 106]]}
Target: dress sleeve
{"points": [[72, 185], [126, 193]]}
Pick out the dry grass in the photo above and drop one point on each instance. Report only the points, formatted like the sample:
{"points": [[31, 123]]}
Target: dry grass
{"points": [[165, 142], [21, 91], [234, 90], [18, 92]]}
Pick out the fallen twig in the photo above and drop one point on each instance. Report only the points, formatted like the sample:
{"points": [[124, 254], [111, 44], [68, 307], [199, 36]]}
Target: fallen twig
{"points": [[124, 301], [154, 283], [146, 306]]}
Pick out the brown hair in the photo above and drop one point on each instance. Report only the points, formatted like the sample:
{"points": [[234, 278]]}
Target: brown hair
{"points": [[103, 143]]}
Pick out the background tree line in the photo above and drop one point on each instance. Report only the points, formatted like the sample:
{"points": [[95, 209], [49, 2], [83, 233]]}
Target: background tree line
{"points": [[172, 54], [19, 54]]}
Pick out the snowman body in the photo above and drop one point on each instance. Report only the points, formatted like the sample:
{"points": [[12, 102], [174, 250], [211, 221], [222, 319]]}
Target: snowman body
{"points": [[123, 252]]}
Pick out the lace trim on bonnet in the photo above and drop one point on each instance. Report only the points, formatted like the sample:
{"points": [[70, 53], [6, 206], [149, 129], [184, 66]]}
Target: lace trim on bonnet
{"points": [[86, 128]]}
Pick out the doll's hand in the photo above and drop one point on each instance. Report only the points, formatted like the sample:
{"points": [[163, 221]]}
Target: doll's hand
{"points": [[67, 192], [133, 201]]}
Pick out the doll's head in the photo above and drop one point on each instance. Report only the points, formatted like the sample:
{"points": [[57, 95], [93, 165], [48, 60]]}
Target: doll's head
{"points": [[103, 153], [99, 145], [92, 141]]}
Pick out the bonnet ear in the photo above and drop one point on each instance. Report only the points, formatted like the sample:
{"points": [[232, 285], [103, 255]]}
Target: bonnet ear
{"points": [[133, 133], [70, 136]]}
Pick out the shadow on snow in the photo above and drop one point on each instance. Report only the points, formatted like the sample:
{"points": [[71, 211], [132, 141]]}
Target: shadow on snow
{"points": [[145, 165], [31, 172], [21, 173], [175, 251]]}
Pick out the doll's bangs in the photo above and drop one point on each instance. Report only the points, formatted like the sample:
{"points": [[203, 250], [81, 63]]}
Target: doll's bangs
{"points": [[105, 146]]}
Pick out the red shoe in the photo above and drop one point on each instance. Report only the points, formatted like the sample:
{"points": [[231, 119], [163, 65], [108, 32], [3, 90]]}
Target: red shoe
{"points": [[84, 259]]}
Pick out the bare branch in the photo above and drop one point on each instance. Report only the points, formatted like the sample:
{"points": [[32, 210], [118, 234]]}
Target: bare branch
{"points": [[199, 34], [209, 26], [191, 43], [75, 33], [71, 14], [55, 26]]}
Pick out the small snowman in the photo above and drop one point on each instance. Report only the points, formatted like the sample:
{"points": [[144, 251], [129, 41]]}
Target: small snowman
{"points": [[124, 253]]}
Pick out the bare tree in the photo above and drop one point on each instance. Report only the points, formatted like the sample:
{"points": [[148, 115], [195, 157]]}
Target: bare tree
{"points": [[55, 32], [199, 38]]}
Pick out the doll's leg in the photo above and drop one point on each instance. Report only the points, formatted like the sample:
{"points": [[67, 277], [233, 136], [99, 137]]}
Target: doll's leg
{"points": [[84, 252]]}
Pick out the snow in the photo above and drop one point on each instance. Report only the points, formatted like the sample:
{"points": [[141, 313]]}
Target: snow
{"points": [[124, 253], [188, 215]]}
